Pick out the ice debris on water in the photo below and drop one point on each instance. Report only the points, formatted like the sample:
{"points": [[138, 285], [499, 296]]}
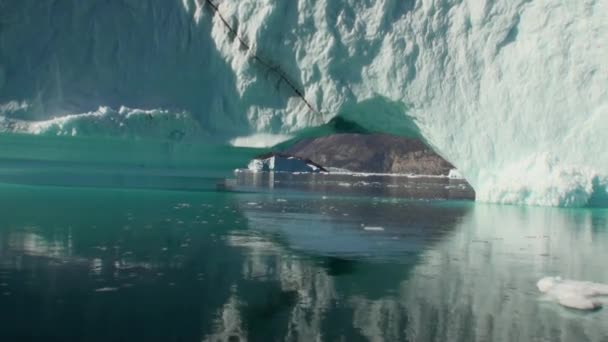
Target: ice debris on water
{"points": [[182, 206], [574, 294]]}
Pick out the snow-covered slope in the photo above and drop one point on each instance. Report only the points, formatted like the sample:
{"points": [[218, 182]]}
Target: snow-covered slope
{"points": [[513, 92]]}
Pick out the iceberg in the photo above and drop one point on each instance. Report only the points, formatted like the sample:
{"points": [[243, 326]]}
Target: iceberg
{"points": [[511, 92]]}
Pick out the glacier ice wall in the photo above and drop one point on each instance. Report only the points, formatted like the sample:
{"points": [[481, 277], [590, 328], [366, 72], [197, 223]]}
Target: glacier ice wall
{"points": [[513, 92], [68, 57]]}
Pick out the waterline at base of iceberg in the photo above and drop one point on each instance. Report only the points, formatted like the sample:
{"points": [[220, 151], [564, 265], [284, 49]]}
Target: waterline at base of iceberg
{"points": [[544, 180]]}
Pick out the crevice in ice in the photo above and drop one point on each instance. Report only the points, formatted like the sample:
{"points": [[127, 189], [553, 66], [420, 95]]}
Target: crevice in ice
{"points": [[511, 35], [336, 125], [394, 117], [270, 66], [599, 196]]}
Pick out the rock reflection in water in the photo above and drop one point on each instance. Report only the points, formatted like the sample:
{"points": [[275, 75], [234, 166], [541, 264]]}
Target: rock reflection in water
{"points": [[475, 283], [355, 184], [112, 266]]}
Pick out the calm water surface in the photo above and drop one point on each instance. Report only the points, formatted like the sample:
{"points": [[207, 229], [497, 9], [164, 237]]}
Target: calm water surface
{"points": [[116, 265], [87, 261]]}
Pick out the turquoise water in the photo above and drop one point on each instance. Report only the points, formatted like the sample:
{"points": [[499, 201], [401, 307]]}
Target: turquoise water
{"points": [[138, 247]]}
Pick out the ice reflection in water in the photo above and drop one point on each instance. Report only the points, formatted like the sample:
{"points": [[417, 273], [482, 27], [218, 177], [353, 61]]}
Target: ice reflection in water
{"points": [[487, 273], [477, 282], [111, 265]]}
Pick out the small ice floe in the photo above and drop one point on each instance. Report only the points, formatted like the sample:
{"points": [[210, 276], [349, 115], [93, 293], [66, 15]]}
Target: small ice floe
{"points": [[373, 228], [455, 174], [106, 289], [122, 265], [282, 200], [574, 294], [96, 265], [182, 205]]}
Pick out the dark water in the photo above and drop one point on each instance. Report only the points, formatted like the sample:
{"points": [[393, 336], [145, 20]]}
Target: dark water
{"points": [[91, 262], [116, 265]]}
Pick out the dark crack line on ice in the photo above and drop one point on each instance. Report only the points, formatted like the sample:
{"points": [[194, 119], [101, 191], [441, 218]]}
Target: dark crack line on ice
{"points": [[269, 66]]}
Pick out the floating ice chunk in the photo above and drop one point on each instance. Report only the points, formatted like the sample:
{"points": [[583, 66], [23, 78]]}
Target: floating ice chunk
{"points": [[373, 228], [106, 289], [574, 294], [455, 174], [256, 165]]}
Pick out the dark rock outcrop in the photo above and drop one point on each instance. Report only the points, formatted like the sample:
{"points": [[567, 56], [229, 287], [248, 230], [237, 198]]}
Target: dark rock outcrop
{"points": [[283, 162], [376, 153]]}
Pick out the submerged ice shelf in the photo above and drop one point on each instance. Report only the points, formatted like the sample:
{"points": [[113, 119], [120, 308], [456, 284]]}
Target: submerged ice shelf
{"points": [[513, 93]]}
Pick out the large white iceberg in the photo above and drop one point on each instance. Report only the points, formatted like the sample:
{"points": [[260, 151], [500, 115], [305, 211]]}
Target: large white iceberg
{"points": [[512, 92]]}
